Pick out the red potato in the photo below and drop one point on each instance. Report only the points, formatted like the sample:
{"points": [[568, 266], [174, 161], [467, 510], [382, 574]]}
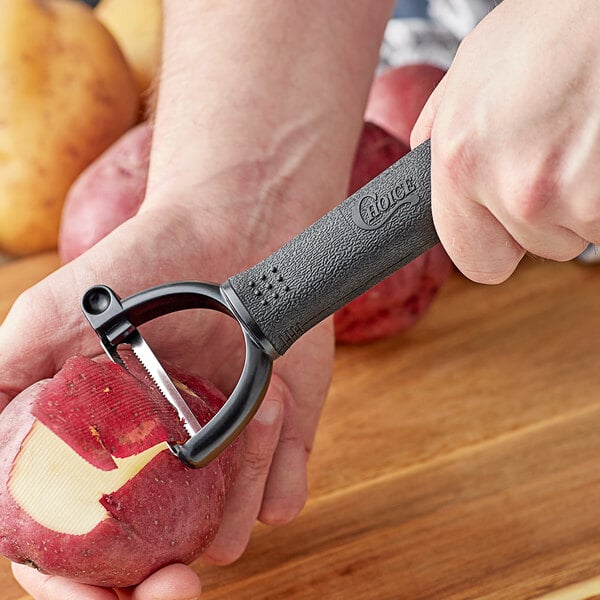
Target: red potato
{"points": [[401, 299], [106, 194], [88, 487], [398, 95]]}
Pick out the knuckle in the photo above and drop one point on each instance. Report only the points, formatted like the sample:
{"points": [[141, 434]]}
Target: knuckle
{"points": [[257, 461], [528, 196], [585, 213], [24, 304], [533, 185], [33, 305], [455, 160]]}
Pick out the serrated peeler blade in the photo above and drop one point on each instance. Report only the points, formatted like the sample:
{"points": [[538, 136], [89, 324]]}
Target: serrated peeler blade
{"points": [[163, 382]]}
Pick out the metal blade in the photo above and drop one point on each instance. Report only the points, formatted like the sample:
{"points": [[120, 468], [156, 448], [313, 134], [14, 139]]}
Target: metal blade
{"points": [[163, 382]]}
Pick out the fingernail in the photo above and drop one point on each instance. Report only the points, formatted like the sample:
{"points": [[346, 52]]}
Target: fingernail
{"points": [[269, 412]]}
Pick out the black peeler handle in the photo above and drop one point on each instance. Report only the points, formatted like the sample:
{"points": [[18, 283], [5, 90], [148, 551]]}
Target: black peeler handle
{"points": [[379, 229]]}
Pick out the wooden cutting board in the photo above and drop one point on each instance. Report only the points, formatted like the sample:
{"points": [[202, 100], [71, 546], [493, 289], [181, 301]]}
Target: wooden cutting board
{"points": [[456, 461]]}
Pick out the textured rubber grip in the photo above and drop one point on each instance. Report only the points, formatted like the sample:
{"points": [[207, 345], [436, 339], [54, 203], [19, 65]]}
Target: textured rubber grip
{"points": [[379, 229]]}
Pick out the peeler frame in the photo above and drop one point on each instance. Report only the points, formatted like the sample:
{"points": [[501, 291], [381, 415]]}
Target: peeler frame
{"points": [[115, 321]]}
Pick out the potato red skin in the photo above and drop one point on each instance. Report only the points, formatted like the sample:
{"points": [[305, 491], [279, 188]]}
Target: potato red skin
{"points": [[106, 194], [398, 95], [167, 513], [396, 99]]}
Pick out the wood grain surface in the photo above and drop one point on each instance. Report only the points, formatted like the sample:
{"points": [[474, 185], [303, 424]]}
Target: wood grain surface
{"points": [[456, 461]]}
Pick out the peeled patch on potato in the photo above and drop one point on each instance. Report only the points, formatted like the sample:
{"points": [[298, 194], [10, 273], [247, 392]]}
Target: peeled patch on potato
{"points": [[66, 94], [88, 486]]}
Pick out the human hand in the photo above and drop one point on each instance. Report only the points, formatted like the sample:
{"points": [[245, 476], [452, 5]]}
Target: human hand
{"points": [[272, 483], [240, 163], [175, 582], [515, 139]]}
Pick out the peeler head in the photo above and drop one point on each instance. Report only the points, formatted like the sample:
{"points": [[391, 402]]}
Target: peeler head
{"points": [[116, 320]]}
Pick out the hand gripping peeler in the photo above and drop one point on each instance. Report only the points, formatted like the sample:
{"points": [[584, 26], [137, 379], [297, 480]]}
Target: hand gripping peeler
{"points": [[379, 229]]}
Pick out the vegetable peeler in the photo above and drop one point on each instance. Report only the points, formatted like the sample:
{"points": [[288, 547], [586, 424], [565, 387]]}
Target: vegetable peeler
{"points": [[376, 231]]}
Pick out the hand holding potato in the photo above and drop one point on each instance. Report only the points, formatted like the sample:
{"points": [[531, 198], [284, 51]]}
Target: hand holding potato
{"points": [[233, 175], [271, 484]]}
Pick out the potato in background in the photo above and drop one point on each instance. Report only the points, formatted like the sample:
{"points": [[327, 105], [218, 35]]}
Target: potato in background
{"points": [[137, 27], [66, 94]]}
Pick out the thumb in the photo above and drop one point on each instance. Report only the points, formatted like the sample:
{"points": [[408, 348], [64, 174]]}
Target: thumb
{"points": [[26, 351], [421, 131], [44, 326]]}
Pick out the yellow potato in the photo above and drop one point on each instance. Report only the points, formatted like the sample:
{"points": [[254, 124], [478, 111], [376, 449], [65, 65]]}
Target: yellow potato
{"points": [[66, 94], [137, 26]]}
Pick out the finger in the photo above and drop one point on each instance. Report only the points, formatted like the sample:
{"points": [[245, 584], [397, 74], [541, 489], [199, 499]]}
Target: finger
{"points": [[175, 582], [424, 125], [583, 212], [309, 393], [553, 242], [286, 488], [487, 223], [15, 373], [245, 498], [476, 242], [49, 587], [528, 201]]}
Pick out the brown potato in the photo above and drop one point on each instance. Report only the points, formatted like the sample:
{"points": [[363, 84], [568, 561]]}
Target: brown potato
{"points": [[137, 27], [66, 94]]}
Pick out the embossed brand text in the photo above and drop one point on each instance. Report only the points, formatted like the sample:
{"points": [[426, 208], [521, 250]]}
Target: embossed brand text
{"points": [[372, 211]]}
